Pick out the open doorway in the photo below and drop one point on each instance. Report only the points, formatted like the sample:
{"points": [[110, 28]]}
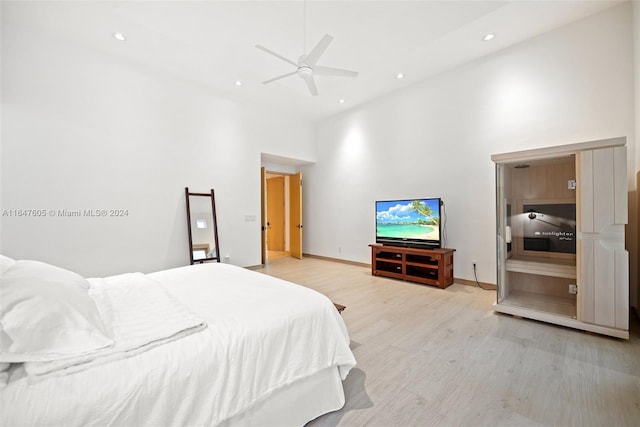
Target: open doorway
{"points": [[281, 215], [277, 215]]}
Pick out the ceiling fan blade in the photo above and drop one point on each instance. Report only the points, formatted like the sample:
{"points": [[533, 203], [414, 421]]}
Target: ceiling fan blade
{"points": [[319, 70], [279, 77], [277, 55], [311, 84], [317, 51]]}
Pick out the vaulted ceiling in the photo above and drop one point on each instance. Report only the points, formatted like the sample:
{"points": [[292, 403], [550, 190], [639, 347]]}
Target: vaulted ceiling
{"points": [[212, 43]]}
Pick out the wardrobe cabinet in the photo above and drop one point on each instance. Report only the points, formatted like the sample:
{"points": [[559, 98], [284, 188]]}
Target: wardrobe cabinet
{"points": [[561, 213]]}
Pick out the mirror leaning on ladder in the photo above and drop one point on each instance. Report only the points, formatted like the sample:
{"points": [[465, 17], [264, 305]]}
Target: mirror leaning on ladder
{"points": [[202, 226]]}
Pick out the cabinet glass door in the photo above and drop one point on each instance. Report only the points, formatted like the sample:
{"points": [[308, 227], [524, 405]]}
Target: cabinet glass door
{"points": [[536, 235], [503, 232]]}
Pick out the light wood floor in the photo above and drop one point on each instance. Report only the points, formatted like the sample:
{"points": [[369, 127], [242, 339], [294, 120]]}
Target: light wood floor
{"points": [[277, 254], [428, 356]]}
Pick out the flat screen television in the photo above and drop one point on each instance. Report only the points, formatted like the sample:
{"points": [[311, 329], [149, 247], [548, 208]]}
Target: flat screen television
{"points": [[409, 223]]}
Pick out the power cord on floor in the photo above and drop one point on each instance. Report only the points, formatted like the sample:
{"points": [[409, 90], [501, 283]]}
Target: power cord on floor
{"points": [[475, 274]]}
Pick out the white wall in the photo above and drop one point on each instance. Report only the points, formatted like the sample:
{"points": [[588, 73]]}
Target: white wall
{"points": [[85, 130], [435, 139], [635, 293], [636, 56]]}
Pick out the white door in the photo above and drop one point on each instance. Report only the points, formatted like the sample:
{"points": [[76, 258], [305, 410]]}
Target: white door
{"points": [[603, 262]]}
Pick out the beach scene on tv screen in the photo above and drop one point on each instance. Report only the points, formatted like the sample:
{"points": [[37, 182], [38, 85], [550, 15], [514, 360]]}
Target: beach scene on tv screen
{"points": [[408, 219]]}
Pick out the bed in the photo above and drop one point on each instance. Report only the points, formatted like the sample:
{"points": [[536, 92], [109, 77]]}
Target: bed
{"points": [[209, 344]]}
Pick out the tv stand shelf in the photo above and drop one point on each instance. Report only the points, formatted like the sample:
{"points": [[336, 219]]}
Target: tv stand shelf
{"points": [[427, 266]]}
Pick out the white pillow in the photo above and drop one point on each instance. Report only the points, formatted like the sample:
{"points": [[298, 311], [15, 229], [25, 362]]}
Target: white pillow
{"points": [[4, 374], [5, 264], [47, 314]]}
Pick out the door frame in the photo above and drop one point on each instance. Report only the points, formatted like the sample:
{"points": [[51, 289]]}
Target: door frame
{"points": [[295, 215], [276, 212], [263, 210]]}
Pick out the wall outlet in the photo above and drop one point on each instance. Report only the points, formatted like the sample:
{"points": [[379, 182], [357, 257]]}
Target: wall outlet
{"points": [[227, 259], [475, 263], [573, 289], [339, 249]]}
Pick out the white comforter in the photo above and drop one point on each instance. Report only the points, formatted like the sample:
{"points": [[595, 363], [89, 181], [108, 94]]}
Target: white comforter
{"points": [[263, 333], [140, 314]]}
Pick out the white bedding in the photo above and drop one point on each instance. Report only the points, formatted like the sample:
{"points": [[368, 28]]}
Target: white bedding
{"points": [[140, 315], [263, 334]]}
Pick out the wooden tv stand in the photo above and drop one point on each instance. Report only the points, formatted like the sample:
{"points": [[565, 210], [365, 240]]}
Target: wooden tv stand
{"points": [[428, 266]]}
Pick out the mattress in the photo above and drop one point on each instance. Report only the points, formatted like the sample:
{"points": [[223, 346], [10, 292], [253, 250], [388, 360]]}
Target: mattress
{"points": [[264, 338]]}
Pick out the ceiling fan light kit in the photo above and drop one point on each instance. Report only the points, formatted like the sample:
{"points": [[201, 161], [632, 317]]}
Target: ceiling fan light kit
{"points": [[307, 68]]}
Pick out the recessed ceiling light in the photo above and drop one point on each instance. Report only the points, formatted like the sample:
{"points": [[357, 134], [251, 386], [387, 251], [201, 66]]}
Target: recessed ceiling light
{"points": [[120, 37], [238, 83], [341, 101], [399, 76], [488, 37]]}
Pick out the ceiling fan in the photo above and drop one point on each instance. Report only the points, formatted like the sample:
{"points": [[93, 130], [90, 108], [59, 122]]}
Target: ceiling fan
{"points": [[307, 66]]}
